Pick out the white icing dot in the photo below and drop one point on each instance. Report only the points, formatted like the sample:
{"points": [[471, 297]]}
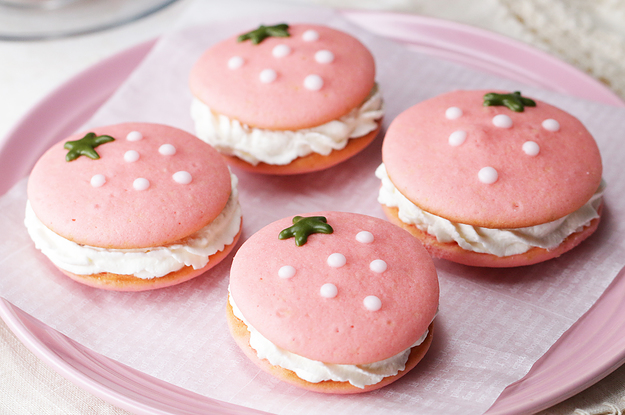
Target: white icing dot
{"points": [[378, 266], [134, 136], [324, 56], [336, 260], [280, 51], [98, 180], [131, 156], [551, 125], [502, 121], [457, 138], [487, 175], [140, 184], [167, 150], [182, 177], [328, 290], [313, 82], [310, 35], [452, 113], [235, 62], [531, 148], [286, 271], [372, 303], [364, 237], [267, 76]]}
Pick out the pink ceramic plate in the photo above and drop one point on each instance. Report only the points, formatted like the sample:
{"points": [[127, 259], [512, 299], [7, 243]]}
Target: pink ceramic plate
{"points": [[571, 365]]}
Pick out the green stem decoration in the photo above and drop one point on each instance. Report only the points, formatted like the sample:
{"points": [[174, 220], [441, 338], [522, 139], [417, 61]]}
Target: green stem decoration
{"points": [[304, 227], [85, 146], [263, 32], [513, 101]]}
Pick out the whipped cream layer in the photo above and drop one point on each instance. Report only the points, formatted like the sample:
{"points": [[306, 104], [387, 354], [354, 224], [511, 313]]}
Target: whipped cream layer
{"points": [[499, 242], [315, 371], [145, 263], [255, 145]]}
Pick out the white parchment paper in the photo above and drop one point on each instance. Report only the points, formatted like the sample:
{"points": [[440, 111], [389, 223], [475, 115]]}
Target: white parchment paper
{"points": [[493, 323]]}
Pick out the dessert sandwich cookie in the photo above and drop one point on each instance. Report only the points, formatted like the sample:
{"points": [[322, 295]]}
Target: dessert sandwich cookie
{"points": [[491, 179], [286, 99], [133, 206], [333, 302]]}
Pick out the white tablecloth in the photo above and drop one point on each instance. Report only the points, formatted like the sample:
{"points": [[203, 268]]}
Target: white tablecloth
{"points": [[589, 34]]}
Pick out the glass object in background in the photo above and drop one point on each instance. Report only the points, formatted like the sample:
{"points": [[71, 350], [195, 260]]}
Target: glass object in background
{"points": [[35, 4], [44, 19]]}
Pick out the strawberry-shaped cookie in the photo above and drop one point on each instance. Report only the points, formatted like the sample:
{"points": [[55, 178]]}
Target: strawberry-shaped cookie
{"points": [[491, 178], [287, 99], [133, 206], [333, 302]]}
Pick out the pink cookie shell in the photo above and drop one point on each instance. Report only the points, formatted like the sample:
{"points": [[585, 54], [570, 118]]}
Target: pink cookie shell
{"points": [[285, 104], [292, 314], [443, 179], [116, 215]]}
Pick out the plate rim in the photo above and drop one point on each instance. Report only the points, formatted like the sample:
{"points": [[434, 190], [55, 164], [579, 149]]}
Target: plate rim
{"points": [[125, 62]]}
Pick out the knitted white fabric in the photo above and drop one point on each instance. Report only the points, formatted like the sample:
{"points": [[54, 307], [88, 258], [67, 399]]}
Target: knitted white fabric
{"points": [[589, 34]]}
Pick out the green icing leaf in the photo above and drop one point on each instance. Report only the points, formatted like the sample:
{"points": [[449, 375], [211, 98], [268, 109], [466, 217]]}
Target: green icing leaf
{"points": [[85, 146], [513, 101], [303, 227], [263, 32]]}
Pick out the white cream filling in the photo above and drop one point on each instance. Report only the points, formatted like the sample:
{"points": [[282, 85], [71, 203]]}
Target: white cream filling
{"points": [[499, 242], [255, 145], [315, 371], [144, 263]]}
